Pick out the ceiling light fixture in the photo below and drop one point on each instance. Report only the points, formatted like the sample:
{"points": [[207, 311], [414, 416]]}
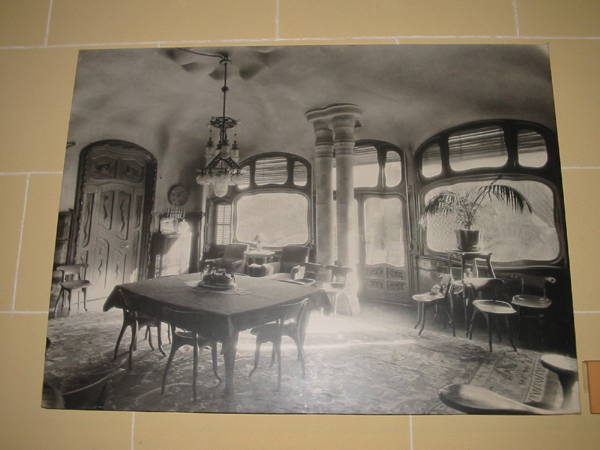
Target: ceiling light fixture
{"points": [[222, 171]]}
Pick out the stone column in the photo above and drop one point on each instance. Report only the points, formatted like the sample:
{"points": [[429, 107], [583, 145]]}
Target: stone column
{"points": [[343, 127], [341, 120], [324, 190]]}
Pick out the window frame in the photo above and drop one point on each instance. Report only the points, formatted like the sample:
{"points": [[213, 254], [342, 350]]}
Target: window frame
{"points": [[549, 174], [235, 218], [236, 192]]}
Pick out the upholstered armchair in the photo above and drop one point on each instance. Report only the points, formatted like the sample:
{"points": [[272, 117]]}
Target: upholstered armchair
{"points": [[233, 260], [213, 252], [291, 257]]}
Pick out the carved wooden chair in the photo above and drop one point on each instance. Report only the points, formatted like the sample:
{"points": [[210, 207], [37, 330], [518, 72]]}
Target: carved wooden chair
{"points": [[338, 284], [476, 400], [290, 322], [490, 307], [189, 328], [72, 281], [441, 299], [529, 303], [132, 319]]}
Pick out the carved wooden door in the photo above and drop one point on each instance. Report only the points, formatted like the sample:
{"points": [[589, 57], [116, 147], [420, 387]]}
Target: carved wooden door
{"points": [[112, 219], [384, 253]]}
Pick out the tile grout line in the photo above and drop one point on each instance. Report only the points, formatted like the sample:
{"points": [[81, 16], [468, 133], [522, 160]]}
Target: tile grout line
{"points": [[410, 423], [276, 20], [581, 167], [41, 172], [14, 300], [316, 39], [516, 18], [48, 24], [132, 430]]}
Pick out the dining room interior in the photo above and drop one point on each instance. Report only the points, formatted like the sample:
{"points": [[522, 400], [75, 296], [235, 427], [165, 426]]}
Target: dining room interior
{"points": [[370, 229]]}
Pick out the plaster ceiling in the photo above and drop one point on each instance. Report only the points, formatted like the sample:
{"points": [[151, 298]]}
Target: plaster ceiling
{"points": [[162, 99]]}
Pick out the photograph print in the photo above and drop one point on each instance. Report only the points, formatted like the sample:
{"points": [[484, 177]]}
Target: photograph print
{"points": [[370, 229]]}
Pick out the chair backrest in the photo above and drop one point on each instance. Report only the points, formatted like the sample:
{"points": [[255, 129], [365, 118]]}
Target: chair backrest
{"points": [[127, 304], [446, 284], [339, 274], [194, 321], [72, 270], [535, 283], [478, 285], [214, 251], [235, 251], [291, 256], [311, 270], [290, 311]]}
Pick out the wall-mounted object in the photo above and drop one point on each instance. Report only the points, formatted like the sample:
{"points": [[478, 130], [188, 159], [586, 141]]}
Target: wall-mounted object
{"points": [[178, 195]]}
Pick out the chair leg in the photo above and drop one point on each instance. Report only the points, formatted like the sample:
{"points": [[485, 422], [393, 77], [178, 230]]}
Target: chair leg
{"points": [[159, 330], [451, 320], [419, 314], [540, 326], [195, 368], [487, 318], [132, 346], [149, 334], [168, 366], [213, 348], [121, 333], [277, 347], [470, 332], [256, 358], [335, 299], [61, 294], [510, 334], [273, 357], [468, 324], [498, 330], [519, 322], [424, 315], [69, 291], [84, 290], [300, 354]]}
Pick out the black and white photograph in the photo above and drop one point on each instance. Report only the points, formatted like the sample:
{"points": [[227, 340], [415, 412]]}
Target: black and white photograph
{"points": [[323, 229]]}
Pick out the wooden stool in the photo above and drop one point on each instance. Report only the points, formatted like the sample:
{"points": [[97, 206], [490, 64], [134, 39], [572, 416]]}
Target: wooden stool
{"points": [[566, 369], [72, 281], [441, 300]]}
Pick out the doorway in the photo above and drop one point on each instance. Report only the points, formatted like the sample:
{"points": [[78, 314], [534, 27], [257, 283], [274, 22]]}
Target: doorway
{"points": [[116, 190], [382, 216], [384, 251]]}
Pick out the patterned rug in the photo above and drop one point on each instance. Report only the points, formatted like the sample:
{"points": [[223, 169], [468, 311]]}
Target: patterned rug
{"points": [[352, 367]]}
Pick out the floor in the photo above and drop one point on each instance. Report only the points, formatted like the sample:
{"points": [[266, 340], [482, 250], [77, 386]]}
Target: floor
{"points": [[350, 363]]}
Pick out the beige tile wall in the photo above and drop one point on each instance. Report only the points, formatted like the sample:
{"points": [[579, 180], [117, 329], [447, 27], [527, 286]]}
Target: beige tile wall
{"points": [[39, 41]]}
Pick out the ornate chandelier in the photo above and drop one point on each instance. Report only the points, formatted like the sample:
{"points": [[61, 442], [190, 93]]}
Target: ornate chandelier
{"points": [[222, 171]]}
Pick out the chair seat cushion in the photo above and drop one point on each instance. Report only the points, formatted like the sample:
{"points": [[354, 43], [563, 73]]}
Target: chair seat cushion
{"points": [[428, 297], [75, 284], [333, 287], [531, 301], [494, 307]]}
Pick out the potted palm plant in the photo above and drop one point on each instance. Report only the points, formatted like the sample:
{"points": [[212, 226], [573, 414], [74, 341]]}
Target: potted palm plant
{"points": [[467, 206]]}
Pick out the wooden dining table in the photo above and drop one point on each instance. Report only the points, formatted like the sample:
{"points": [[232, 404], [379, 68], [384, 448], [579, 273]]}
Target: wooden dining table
{"points": [[248, 304]]}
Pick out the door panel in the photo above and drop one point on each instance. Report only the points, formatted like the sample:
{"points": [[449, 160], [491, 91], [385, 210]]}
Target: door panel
{"points": [[112, 223], [385, 270]]}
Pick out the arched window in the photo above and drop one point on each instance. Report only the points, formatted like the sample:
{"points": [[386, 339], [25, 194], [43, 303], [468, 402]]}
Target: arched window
{"points": [[519, 154], [273, 200]]}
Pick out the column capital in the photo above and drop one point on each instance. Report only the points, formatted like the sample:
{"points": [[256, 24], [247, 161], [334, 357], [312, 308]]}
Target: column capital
{"points": [[331, 112], [323, 133]]}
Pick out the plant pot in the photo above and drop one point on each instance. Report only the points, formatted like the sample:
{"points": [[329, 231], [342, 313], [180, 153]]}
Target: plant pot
{"points": [[468, 240]]}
